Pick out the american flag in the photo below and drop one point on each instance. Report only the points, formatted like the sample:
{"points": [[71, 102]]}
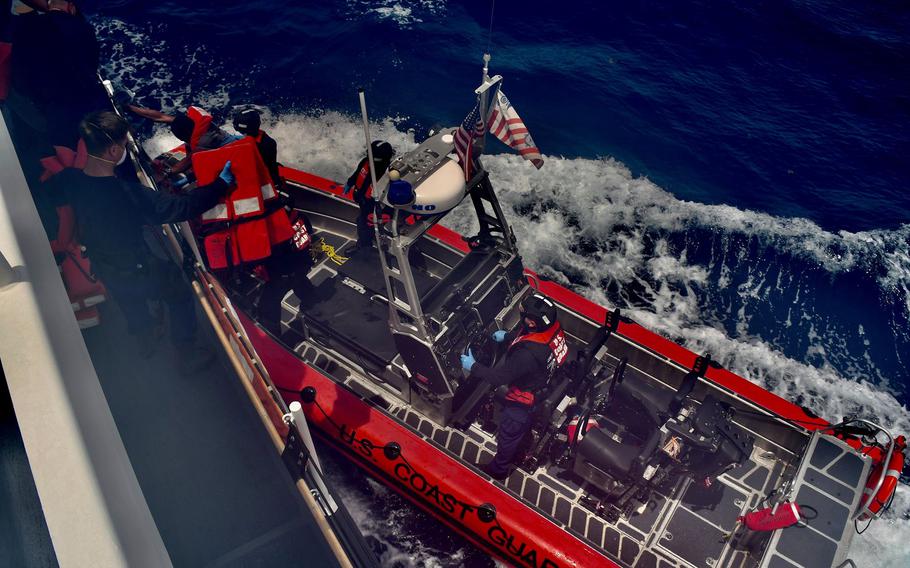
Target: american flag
{"points": [[506, 125], [470, 130]]}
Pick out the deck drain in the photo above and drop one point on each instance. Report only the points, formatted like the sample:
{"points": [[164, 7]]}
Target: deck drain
{"points": [[710, 561], [668, 536]]}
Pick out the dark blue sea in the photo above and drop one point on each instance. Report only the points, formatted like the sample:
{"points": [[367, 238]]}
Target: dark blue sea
{"points": [[734, 175]]}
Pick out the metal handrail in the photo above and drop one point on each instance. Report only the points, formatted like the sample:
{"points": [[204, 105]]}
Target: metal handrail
{"points": [[881, 478]]}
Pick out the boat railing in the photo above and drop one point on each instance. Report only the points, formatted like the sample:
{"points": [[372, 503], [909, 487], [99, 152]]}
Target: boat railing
{"points": [[888, 453]]}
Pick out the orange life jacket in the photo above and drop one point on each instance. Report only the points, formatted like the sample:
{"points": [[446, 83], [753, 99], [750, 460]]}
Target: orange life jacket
{"points": [[201, 122], [64, 158], [245, 228], [555, 340], [84, 289]]}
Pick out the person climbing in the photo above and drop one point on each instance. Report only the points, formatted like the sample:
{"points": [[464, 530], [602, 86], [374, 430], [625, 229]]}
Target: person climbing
{"points": [[534, 353]]}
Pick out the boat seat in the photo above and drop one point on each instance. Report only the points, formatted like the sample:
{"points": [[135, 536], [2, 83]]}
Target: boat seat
{"points": [[552, 397], [618, 459], [659, 401]]}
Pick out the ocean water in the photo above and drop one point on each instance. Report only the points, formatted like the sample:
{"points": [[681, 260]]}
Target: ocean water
{"points": [[733, 175]]}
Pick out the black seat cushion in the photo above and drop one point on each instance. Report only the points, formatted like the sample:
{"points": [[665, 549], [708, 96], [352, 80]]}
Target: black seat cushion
{"points": [[657, 398], [615, 458]]}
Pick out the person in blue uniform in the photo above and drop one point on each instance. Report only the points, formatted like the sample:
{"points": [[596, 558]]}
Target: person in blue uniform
{"points": [[110, 216], [361, 184], [534, 353]]}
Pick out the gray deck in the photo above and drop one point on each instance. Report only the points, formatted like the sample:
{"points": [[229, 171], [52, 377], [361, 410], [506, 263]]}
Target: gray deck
{"points": [[214, 483]]}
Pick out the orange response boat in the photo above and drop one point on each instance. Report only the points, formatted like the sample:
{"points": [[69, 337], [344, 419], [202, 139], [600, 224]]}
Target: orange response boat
{"points": [[642, 453]]}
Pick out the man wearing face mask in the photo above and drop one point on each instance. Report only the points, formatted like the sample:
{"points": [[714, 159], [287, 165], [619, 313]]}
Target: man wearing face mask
{"points": [[110, 215], [535, 351]]}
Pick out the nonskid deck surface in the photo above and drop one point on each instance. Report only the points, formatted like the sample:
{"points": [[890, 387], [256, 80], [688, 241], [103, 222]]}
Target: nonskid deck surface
{"points": [[683, 524]]}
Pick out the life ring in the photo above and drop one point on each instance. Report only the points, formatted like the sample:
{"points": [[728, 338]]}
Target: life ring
{"points": [[871, 508]]}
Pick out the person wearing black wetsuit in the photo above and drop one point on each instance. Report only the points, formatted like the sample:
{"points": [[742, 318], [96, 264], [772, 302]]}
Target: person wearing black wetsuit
{"points": [[362, 185], [535, 351], [110, 216]]}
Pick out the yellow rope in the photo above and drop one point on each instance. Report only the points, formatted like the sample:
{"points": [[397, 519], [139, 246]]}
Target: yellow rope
{"points": [[329, 251]]}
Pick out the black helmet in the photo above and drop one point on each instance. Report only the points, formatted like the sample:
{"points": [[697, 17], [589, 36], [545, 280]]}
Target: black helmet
{"points": [[247, 121], [182, 126], [382, 151], [540, 310]]}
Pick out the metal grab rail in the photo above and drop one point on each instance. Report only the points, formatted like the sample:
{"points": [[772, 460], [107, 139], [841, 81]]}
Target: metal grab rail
{"points": [[881, 478]]}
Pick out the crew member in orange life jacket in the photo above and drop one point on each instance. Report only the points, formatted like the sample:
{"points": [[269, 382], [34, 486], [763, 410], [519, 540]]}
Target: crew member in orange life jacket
{"points": [[248, 122], [194, 128], [362, 184], [535, 352]]}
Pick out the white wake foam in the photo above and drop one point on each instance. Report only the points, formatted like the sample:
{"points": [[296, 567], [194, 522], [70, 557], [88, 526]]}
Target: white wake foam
{"points": [[405, 13]]}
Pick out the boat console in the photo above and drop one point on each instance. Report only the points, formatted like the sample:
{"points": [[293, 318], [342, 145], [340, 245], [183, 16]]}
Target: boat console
{"points": [[478, 294]]}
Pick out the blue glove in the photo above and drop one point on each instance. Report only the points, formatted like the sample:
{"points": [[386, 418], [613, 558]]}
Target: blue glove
{"points": [[347, 188], [467, 361], [499, 335], [226, 175]]}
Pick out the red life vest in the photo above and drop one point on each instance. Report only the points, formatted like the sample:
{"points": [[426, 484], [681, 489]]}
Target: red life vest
{"points": [[6, 51], [248, 229], [84, 289], [201, 122], [64, 158], [555, 340], [363, 177]]}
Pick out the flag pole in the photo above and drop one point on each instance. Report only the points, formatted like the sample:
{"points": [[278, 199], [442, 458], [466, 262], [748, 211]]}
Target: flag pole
{"points": [[484, 99]]}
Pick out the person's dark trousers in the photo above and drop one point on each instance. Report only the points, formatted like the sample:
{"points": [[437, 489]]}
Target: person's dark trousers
{"points": [[514, 423], [287, 269], [158, 280], [365, 233]]}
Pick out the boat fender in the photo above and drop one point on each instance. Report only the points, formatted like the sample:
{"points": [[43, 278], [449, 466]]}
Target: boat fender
{"points": [[892, 470], [391, 451], [308, 395], [772, 518], [486, 513]]}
